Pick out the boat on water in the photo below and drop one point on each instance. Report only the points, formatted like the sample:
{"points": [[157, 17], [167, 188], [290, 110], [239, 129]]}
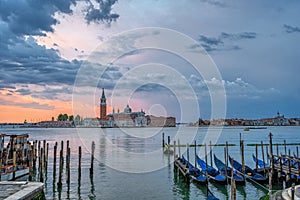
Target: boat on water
{"points": [[195, 173], [14, 156], [168, 150], [225, 170], [262, 165], [213, 174], [248, 173], [210, 195]]}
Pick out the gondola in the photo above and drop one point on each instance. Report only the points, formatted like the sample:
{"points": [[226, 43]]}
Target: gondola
{"points": [[239, 178], [195, 173], [248, 173], [210, 195], [262, 165], [213, 174]]}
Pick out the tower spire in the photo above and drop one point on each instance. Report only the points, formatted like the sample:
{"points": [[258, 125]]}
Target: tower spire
{"points": [[102, 105]]}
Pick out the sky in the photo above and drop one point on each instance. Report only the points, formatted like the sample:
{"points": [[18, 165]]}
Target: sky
{"points": [[52, 50]]}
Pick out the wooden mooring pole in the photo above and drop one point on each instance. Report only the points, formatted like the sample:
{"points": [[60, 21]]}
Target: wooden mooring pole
{"points": [[263, 155], [46, 157], [30, 156], [179, 155], [195, 148], [284, 147], [59, 183], [54, 161], [243, 157], [41, 173], [256, 154], [210, 153], [68, 165], [163, 140], [79, 164], [92, 158]]}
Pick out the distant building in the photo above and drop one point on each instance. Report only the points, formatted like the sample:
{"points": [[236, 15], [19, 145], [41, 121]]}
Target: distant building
{"points": [[102, 105], [127, 118]]}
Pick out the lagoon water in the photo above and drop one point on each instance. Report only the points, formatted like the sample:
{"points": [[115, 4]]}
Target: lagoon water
{"points": [[129, 163]]}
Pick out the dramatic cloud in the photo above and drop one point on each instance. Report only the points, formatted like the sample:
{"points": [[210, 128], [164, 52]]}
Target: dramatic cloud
{"points": [[234, 89], [291, 29], [102, 13], [224, 41]]}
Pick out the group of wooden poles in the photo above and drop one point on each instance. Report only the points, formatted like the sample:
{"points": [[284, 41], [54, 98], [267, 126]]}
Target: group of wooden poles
{"points": [[39, 151]]}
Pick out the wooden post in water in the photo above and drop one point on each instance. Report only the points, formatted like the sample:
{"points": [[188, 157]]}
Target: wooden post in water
{"points": [[263, 155], [79, 164], [179, 155], [233, 186], [14, 164], [163, 140], [284, 141], [270, 183], [68, 145], [30, 157], [68, 165], [210, 153], [46, 160], [41, 165], [62, 149], [34, 154], [226, 155], [256, 154], [271, 152], [188, 151], [59, 183], [243, 157], [206, 170], [267, 153], [174, 150], [277, 149], [195, 154], [226, 164], [54, 161], [92, 158], [297, 152], [44, 153]]}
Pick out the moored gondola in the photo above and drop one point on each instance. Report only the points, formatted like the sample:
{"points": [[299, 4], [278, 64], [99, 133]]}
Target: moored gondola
{"points": [[225, 170], [248, 172], [213, 174], [195, 173]]}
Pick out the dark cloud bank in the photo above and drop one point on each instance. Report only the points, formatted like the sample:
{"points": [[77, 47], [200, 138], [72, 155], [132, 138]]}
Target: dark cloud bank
{"points": [[22, 60]]}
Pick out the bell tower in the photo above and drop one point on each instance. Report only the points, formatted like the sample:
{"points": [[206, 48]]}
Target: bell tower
{"points": [[102, 105]]}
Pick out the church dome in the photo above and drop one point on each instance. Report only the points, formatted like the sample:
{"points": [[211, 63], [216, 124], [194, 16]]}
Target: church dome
{"points": [[127, 109]]}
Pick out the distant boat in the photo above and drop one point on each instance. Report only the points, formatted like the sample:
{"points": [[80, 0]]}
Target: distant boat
{"points": [[195, 173], [246, 129], [249, 173], [239, 178], [168, 150], [212, 173], [11, 169]]}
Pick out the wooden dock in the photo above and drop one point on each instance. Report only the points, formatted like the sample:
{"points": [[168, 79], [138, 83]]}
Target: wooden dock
{"points": [[10, 190]]}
